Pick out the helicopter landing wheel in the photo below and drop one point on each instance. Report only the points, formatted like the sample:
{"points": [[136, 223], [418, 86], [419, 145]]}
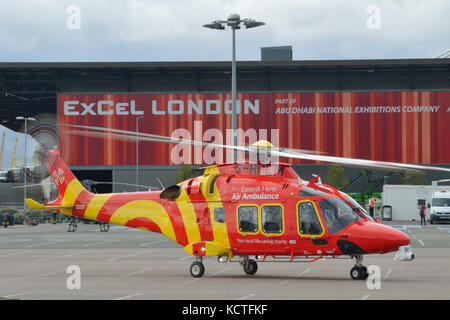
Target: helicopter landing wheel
{"points": [[197, 269], [72, 227], [104, 227], [359, 273], [250, 267]]}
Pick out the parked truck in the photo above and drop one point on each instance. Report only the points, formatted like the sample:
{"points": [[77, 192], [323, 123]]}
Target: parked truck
{"points": [[440, 206], [405, 201]]}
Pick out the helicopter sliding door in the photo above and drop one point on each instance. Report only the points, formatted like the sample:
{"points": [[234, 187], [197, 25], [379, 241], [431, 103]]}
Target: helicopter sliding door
{"points": [[261, 229]]}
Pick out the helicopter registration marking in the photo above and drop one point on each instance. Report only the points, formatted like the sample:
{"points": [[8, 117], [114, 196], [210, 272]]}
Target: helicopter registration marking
{"points": [[58, 176], [259, 169]]}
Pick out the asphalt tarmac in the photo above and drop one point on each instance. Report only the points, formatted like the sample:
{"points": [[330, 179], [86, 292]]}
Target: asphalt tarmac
{"points": [[46, 262]]}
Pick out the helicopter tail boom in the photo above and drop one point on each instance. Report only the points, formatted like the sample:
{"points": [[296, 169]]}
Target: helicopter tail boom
{"points": [[68, 186]]}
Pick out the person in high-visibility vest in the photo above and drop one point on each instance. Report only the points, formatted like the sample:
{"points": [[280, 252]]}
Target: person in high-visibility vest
{"points": [[371, 206], [5, 221]]}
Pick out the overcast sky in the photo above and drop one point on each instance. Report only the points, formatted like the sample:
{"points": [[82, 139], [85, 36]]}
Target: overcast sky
{"points": [[171, 30]]}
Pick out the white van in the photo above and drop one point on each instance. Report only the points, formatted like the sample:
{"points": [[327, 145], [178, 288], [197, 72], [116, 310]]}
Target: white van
{"points": [[440, 206], [3, 176]]}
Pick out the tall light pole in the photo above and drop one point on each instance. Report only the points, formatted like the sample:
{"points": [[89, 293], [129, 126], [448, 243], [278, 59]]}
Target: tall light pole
{"points": [[234, 21], [26, 119], [137, 152]]}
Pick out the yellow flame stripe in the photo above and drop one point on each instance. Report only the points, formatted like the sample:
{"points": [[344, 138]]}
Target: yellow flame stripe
{"points": [[95, 205], [145, 209], [71, 193], [189, 217], [214, 201]]}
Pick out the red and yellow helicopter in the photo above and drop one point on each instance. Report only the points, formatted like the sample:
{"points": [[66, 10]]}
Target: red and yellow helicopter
{"points": [[253, 210]]}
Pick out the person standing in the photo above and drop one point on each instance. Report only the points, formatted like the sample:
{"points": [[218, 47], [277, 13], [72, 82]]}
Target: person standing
{"points": [[423, 213], [371, 206], [5, 219]]}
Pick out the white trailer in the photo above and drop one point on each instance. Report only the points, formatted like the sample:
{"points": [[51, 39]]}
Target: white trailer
{"points": [[405, 200]]}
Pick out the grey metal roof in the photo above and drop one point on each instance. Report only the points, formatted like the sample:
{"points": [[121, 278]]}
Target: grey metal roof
{"points": [[29, 88], [209, 64]]}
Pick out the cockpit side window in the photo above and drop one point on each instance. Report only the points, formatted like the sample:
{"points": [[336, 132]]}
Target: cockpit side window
{"points": [[308, 222], [337, 214]]}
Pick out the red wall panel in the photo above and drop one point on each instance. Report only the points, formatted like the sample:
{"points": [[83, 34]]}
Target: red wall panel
{"points": [[409, 127]]}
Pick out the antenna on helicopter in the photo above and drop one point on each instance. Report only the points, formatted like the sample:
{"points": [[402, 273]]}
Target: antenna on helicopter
{"points": [[160, 183], [317, 178]]}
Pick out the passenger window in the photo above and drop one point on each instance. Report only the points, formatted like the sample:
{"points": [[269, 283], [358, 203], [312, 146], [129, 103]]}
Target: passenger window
{"points": [[308, 220], [272, 219], [219, 215], [248, 219]]}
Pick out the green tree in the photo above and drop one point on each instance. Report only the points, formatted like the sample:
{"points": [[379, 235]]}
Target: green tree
{"points": [[335, 177], [185, 172], [414, 178]]}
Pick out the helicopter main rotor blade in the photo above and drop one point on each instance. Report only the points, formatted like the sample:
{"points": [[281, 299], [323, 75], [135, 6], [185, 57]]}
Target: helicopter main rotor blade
{"points": [[130, 135], [50, 183], [270, 151], [126, 184], [359, 162]]}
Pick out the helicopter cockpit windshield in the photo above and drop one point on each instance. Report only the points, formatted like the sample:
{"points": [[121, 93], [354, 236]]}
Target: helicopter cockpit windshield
{"points": [[357, 206], [337, 214]]}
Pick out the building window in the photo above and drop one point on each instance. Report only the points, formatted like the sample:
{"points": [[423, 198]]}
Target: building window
{"points": [[307, 218], [248, 219], [272, 219]]}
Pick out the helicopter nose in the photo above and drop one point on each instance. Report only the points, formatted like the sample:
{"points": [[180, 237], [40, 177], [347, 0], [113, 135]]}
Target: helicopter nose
{"points": [[374, 237], [393, 239]]}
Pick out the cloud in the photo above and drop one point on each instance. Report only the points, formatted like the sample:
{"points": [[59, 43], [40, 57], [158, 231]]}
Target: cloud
{"points": [[171, 30]]}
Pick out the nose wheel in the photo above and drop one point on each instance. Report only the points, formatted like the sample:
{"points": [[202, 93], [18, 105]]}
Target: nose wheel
{"points": [[359, 272], [197, 268]]}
